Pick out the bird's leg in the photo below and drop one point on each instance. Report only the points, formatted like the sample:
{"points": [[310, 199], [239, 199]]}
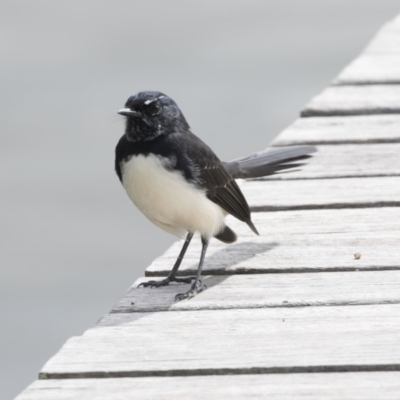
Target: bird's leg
{"points": [[171, 276], [198, 286]]}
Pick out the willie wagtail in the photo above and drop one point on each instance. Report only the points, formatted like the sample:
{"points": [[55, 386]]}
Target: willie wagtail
{"points": [[178, 182]]}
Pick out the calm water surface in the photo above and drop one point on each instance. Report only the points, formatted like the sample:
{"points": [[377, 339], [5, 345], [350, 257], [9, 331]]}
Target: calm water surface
{"points": [[70, 241]]}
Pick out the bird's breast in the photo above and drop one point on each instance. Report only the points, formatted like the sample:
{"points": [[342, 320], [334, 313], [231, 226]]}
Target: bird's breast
{"points": [[165, 197]]}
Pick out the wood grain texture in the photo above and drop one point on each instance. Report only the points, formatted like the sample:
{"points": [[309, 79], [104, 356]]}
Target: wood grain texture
{"points": [[327, 386], [341, 130], [370, 69], [298, 241], [265, 340], [269, 291], [349, 160], [322, 193], [355, 100]]}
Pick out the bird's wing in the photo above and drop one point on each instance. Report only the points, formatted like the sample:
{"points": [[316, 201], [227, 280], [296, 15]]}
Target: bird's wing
{"points": [[214, 178]]}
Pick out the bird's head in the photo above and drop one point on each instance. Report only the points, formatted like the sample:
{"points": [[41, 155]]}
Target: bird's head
{"points": [[151, 114]]}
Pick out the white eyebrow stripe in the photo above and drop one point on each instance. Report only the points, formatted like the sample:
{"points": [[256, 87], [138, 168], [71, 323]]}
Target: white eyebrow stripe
{"points": [[147, 102]]}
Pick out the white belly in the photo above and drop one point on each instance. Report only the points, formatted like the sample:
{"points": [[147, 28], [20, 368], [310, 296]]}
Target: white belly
{"points": [[168, 200]]}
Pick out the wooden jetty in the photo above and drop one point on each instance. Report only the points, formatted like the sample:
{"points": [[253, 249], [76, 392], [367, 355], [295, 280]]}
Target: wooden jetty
{"points": [[291, 314]]}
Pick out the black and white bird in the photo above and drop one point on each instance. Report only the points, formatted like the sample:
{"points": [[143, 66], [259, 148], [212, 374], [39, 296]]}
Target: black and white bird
{"points": [[179, 183]]}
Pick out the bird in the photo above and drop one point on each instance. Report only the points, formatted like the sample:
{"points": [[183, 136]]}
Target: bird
{"points": [[180, 184]]}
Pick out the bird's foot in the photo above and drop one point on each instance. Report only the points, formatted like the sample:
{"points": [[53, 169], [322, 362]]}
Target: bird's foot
{"points": [[196, 288], [166, 281]]}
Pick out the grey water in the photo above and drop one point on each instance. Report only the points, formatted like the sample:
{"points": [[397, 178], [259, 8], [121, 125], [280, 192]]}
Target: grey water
{"points": [[71, 242]]}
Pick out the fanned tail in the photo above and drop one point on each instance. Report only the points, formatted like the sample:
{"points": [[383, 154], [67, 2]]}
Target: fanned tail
{"points": [[269, 162]]}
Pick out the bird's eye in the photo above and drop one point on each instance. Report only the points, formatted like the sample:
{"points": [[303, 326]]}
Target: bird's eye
{"points": [[154, 109]]}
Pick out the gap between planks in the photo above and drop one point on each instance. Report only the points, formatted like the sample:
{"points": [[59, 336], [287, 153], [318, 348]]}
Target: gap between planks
{"points": [[222, 371], [346, 386]]}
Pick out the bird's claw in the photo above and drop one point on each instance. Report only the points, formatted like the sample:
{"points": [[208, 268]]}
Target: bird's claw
{"points": [[196, 288], [155, 284], [166, 281]]}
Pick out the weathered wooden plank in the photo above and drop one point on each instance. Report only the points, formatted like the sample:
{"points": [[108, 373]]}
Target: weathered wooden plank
{"points": [[298, 241], [266, 340], [348, 161], [322, 193], [327, 386], [341, 130], [371, 69], [386, 41], [272, 290], [355, 100]]}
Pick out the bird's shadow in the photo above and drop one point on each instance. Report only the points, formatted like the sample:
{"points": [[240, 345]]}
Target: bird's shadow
{"points": [[219, 266], [226, 260]]}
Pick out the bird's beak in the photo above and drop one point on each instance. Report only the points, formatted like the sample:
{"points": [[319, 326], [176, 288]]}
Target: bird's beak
{"points": [[127, 112]]}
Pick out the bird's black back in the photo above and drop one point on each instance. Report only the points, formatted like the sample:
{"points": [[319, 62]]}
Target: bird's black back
{"points": [[197, 163]]}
